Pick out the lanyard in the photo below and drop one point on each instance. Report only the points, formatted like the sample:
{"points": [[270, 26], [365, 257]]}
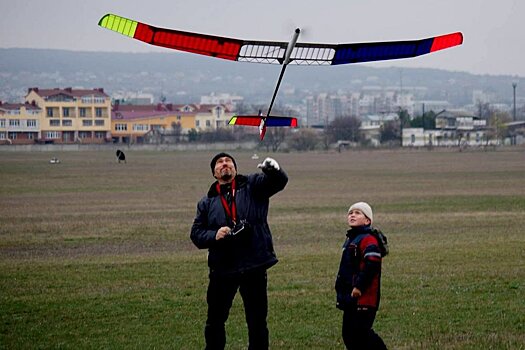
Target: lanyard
{"points": [[230, 212]]}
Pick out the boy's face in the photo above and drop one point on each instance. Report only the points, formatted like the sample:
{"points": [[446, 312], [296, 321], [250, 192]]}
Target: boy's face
{"points": [[357, 218]]}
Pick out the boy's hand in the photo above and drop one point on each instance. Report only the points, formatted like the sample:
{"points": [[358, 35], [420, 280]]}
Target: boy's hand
{"points": [[269, 163], [356, 293]]}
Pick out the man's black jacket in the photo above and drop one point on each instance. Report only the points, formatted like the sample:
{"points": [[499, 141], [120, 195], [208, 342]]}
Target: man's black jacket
{"points": [[252, 248]]}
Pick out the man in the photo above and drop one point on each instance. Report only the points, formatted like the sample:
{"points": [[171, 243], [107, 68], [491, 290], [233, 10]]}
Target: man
{"points": [[231, 222]]}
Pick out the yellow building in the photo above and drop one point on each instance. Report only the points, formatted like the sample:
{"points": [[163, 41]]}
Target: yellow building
{"points": [[72, 115], [19, 123], [211, 117], [133, 123]]}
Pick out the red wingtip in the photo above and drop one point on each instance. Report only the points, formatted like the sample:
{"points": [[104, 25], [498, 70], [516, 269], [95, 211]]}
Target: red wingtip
{"points": [[446, 41]]}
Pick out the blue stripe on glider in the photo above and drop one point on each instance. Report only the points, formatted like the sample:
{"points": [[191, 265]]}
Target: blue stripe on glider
{"points": [[355, 53], [281, 121], [424, 47]]}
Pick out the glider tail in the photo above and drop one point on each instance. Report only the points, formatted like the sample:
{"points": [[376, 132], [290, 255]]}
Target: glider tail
{"points": [[263, 122]]}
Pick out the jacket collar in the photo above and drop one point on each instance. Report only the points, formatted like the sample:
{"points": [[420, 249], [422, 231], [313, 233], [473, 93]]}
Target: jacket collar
{"points": [[241, 181], [354, 231]]}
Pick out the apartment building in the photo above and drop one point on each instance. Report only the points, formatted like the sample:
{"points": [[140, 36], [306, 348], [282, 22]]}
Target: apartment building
{"points": [[19, 123], [133, 123], [72, 115]]}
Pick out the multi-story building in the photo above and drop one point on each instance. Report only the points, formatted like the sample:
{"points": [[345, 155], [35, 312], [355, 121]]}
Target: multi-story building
{"points": [[132, 123], [451, 130], [72, 115], [19, 123]]}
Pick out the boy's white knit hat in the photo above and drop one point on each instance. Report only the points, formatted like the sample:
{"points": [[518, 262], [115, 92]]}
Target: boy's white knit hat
{"points": [[365, 209]]}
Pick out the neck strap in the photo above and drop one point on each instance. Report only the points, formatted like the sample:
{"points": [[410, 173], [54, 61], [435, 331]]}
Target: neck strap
{"points": [[231, 212]]}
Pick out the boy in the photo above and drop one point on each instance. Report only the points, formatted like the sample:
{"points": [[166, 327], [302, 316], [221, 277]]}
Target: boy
{"points": [[358, 280]]}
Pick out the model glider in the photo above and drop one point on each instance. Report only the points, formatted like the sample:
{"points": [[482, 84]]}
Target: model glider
{"points": [[275, 52]]}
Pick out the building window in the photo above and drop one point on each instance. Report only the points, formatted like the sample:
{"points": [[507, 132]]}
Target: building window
{"points": [[2, 123], [82, 112], [208, 123], [31, 123], [65, 112], [12, 135], [54, 122], [99, 122], [14, 122], [52, 134], [49, 111], [140, 127], [87, 122], [412, 138], [67, 122], [98, 112], [2, 135], [30, 135], [100, 134], [197, 123], [87, 100], [84, 134], [121, 127]]}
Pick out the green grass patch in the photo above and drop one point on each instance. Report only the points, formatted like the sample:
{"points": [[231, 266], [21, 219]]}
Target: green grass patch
{"points": [[95, 254]]}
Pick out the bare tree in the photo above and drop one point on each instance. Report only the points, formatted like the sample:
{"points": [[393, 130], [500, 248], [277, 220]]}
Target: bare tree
{"points": [[497, 128], [344, 128], [274, 138], [304, 139]]}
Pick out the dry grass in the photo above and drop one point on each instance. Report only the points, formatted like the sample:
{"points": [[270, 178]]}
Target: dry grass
{"points": [[95, 254]]}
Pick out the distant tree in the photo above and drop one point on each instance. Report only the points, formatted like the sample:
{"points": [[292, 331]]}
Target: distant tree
{"points": [[273, 139], [497, 128], [344, 128], [304, 139], [176, 130], [426, 121], [193, 135], [404, 118], [390, 132], [484, 110]]}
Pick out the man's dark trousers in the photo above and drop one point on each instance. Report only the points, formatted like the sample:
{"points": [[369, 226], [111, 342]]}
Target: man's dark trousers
{"points": [[252, 286]]}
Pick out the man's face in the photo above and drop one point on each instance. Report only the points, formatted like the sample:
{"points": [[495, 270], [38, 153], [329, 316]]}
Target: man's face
{"points": [[224, 170], [357, 218]]}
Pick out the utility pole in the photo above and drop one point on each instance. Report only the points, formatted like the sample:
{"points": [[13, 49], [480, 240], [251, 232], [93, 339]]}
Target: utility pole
{"points": [[514, 84]]}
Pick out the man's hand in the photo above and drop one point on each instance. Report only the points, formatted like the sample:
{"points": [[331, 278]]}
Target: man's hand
{"points": [[269, 163], [222, 232], [356, 293]]}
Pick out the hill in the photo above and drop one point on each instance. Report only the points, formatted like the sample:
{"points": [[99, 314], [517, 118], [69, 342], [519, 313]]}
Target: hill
{"points": [[183, 77]]}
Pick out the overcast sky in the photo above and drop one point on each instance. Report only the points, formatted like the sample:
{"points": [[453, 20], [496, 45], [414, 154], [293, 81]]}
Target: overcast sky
{"points": [[493, 30]]}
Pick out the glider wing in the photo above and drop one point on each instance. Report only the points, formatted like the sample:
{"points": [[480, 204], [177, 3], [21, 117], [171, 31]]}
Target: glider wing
{"points": [[274, 52]]}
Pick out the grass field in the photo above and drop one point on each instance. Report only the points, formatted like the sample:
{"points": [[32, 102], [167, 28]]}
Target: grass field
{"points": [[97, 255]]}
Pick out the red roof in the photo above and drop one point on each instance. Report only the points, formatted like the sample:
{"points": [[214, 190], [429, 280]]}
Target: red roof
{"points": [[68, 91], [17, 106], [128, 115]]}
